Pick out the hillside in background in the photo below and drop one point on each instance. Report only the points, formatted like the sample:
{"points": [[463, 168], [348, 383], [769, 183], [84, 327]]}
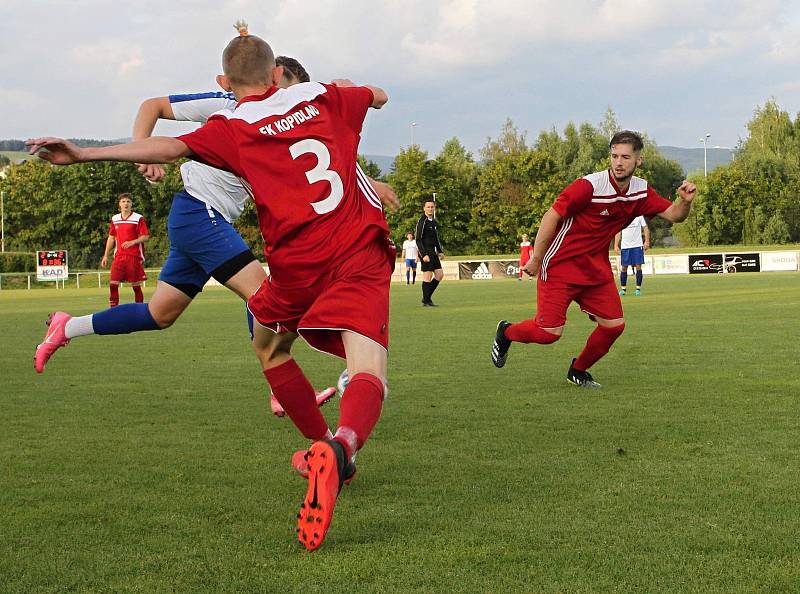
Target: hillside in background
{"points": [[691, 159], [385, 163]]}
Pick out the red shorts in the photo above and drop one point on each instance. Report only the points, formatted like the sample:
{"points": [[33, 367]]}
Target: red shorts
{"points": [[353, 295], [553, 298], [127, 269]]}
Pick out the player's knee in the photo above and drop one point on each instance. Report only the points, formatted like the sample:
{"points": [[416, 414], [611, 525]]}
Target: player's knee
{"points": [[615, 331], [163, 313], [378, 384], [549, 337], [164, 319]]}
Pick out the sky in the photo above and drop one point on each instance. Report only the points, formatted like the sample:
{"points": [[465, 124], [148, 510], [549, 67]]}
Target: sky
{"points": [[675, 69]]}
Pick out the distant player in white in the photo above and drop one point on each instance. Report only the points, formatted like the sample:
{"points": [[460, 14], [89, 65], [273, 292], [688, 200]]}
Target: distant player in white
{"points": [[629, 244], [410, 253]]}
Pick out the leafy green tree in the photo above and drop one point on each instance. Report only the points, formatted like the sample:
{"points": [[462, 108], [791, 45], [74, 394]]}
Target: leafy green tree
{"points": [[370, 168], [69, 208], [776, 230], [516, 185], [413, 182]]}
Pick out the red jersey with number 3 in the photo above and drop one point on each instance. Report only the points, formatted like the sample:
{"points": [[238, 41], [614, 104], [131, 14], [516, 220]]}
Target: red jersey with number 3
{"points": [[127, 229], [594, 210], [297, 150]]}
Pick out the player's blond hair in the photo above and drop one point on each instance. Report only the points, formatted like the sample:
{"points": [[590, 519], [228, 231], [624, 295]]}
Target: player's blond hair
{"points": [[125, 196], [247, 59]]}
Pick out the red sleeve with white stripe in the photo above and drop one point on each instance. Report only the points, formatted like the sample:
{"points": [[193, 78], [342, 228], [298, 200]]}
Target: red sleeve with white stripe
{"points": [[215, 144], [653, 204], [112, 230], [576, 197]]}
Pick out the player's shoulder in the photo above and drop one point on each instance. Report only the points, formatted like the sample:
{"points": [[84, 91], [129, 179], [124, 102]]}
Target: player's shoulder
{"points": [[277, 103], [600, 182], [637, 185], [135, 217]]}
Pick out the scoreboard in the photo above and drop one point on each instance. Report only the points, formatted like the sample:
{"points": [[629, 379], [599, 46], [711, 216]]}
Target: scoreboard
{"points": [[52, 265]]}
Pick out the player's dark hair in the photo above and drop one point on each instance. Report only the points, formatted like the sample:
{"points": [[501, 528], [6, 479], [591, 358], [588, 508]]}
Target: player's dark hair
{"points": [[627, 137], [248, 60], [125, 195], [293, 68]]}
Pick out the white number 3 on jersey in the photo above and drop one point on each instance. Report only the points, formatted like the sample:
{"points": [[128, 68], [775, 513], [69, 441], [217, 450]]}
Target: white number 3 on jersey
{"points": [[320, 173]]}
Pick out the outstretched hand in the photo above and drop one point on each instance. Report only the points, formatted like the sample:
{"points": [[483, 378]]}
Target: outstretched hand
{"points": [[56, 150], [151, 172], [687, 191], [387, 195]]}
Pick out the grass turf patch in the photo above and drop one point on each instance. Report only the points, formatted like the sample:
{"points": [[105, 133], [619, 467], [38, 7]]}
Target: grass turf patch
{"points": [[150, 462]]}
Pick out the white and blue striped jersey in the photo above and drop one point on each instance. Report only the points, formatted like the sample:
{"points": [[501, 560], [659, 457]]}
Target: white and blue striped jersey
{"points": [[217, 188]]}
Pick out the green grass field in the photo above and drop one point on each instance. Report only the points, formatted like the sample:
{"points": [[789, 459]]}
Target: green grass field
{"points": [[150, 462]]}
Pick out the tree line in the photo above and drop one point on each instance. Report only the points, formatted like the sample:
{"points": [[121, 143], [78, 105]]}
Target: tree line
{"points": [[483, 204]]}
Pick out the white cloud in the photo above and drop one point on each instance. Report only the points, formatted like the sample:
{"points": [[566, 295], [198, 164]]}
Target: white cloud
{"points": [[555, 60], [107, 58]]}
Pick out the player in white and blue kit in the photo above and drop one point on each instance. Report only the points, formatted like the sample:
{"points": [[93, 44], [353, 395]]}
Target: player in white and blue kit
{"points": [[410, 253], [203, 241], [630, 245]]}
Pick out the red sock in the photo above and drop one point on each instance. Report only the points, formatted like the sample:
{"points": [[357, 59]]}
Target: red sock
{"points": [[528, 331], [597, 346], [113, 299], [359, 410], [296, 395], [138, 296]]}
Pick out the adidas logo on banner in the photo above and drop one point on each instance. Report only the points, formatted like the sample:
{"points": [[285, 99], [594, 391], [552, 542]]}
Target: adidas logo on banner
{"points": [[482, 272]]}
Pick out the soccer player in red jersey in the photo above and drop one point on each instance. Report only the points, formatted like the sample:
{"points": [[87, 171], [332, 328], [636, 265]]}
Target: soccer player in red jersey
{"points": [[525, 253], [570, 255], [297, 150], [128, 231]]}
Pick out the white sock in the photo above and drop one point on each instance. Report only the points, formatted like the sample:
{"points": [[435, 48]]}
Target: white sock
{"points": [[80, 326]]}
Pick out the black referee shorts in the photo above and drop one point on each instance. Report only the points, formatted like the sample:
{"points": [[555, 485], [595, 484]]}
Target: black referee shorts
{"points": [[434, 263]]}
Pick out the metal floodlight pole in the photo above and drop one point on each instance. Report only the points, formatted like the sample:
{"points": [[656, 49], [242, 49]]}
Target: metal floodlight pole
{"points": [[705, 154], [434, 205], [413, 128]]}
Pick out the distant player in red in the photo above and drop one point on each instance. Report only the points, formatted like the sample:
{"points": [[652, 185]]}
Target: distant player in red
{"points": [[128, 231], [297, 149], [525, 253], [570, 255]]}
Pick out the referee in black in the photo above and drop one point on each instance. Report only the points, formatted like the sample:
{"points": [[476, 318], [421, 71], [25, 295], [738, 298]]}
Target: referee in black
{"points": [[430, 250]]}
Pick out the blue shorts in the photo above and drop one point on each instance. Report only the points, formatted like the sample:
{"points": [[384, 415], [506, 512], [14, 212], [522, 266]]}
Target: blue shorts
{"points": [[411, 263], [632, 256], [202, 244]]}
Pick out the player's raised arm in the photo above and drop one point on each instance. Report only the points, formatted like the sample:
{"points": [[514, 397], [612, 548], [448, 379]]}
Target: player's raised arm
{"points": [[379, 96], [150, 111], [680, 209], [156, 149]]}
